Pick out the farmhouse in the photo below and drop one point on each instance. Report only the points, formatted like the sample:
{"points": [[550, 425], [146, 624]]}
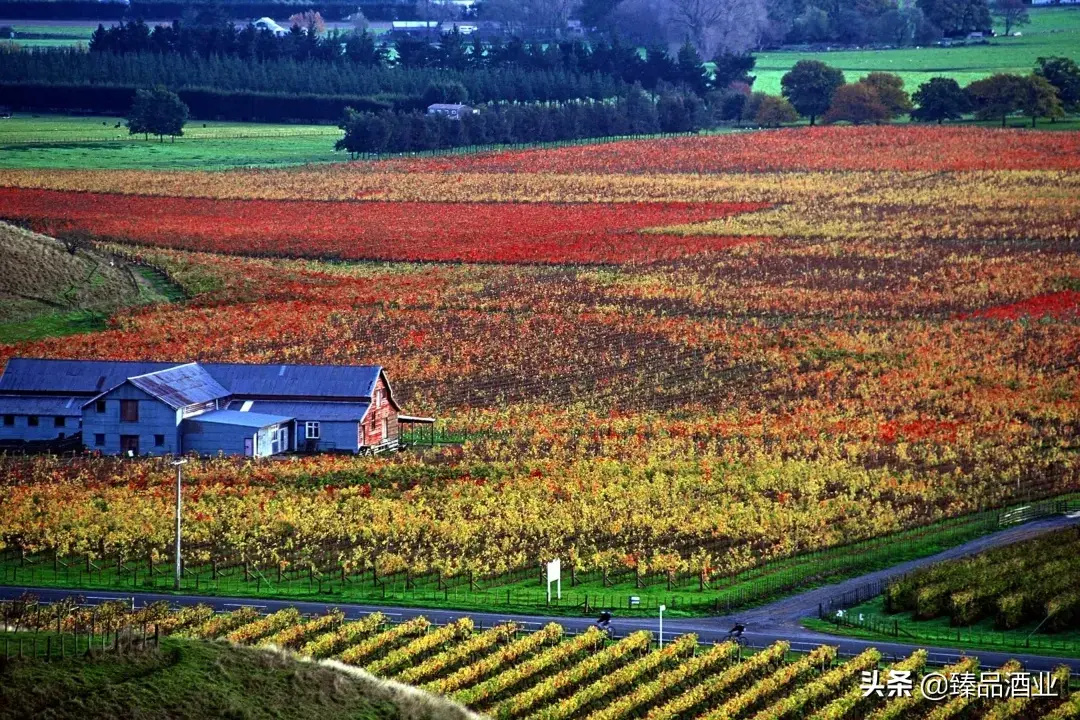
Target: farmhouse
{"points": [[152, 408]]}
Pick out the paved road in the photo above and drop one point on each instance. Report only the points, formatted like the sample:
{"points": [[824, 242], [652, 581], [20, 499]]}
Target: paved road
{"points": [[776, 621]]}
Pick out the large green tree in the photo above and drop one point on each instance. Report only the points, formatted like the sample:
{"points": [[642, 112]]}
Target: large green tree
{"points": [[1011, 13], [997, 96], [957, 17], [890, 91], [1040, 99], [1064, 74], [939, 99], [809, 87], [157, 111]]}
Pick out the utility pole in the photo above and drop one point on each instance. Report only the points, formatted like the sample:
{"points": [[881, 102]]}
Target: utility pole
{"points": [[179, 478]]}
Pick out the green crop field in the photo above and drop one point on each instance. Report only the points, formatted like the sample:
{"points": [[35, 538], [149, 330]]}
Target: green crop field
{"points": [[1053, 31], [62, 141]]}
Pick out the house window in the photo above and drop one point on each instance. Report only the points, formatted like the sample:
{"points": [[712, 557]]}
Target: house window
{"points": [[100, 406], [32, 420], [9, 420], [58, 421], [99, 439], [311, 430], [129, 411], [159, 441]]}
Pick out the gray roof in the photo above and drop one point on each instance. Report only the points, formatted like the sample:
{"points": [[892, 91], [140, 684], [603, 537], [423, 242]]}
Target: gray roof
{"points": [[241, 419], [322, 411], [448, 106], [292, 381], [180, 386], [70, 376], [93, 377], [50, 405]]}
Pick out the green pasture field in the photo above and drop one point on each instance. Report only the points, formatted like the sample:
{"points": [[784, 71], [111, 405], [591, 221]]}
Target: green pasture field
{"points": [[1053, 31], [63, 142], [903, 627]]}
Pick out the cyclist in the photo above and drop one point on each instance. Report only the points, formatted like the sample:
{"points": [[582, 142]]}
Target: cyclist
{"points": [[735, 634], [604, 622]]}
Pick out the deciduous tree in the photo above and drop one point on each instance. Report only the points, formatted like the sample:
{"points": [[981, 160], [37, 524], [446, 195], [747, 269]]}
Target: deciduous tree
{"points": [[1064, 74], [939, 99], [890, 91], [997, 96], [856, 103], [1040, 99], [809, 87], [769, 110], [1011, 13], [157, 111]]}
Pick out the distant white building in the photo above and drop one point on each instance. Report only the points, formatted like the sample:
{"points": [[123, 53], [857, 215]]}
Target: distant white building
{"points": [[265, 23], [451, 110], [413, 27]]}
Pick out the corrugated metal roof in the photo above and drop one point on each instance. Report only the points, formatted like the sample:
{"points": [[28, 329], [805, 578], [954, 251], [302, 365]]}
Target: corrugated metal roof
{"points": [[92, 377], [234, 417], [296, 380], [29, 405], [326, 412], [72, 376], [180, 386]]}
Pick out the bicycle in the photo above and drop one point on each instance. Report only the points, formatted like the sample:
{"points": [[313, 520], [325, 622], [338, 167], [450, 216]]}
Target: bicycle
{"points": [[735, 635]]}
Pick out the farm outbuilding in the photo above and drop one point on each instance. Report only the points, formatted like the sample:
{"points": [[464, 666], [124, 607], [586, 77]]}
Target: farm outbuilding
{"points": [[454, 111], [150, 408]]}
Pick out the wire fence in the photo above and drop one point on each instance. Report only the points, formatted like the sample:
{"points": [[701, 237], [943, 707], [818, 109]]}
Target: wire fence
{"points": [[523, 588], [51, 645], [911, 632]]}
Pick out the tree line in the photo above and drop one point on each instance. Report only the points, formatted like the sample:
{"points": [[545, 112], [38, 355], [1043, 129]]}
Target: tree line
{"points": [[811, 89], [816, 90], [219, 38], [636, 113]]}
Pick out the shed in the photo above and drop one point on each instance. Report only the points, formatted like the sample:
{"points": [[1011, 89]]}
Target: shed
{"points": [[237, 433], [451, 110]]}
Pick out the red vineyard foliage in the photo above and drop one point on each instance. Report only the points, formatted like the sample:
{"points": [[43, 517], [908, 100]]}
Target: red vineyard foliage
{"points": [[1058, 305], [608, 233], [819, 148]]}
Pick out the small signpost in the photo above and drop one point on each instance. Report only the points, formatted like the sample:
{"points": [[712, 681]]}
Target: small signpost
{"points": [[554, 575]]}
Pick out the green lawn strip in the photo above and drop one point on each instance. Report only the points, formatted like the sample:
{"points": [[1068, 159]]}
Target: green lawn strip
{"points": [[526, 596], [903, 627], [183, 679], [51, 325]]}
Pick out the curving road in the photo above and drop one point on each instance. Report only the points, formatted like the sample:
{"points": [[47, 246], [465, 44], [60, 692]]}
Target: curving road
{"points": [[766, 624]]}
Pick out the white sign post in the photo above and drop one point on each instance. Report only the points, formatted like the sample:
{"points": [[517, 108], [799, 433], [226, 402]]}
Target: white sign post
{"points": [[662, 609], [554, 575]]}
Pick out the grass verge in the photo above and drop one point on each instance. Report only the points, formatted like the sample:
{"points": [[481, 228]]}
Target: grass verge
{"points": [[902, 627]]}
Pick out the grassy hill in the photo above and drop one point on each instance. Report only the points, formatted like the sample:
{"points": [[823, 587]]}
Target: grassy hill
{"points": [[196, 679], [45, 289]]}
